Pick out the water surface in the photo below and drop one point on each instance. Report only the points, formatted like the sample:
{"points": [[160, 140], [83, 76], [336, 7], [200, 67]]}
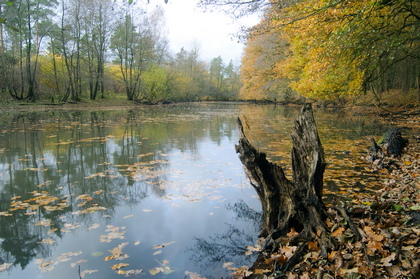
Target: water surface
{"points": [[155, 192]]}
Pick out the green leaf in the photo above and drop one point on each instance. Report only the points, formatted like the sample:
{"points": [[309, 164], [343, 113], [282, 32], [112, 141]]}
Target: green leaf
{"points": [[97, 254], [397, 207], [415, 207]]}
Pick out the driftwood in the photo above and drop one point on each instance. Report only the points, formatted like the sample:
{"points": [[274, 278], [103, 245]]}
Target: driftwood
{"points": [[295, 204]]}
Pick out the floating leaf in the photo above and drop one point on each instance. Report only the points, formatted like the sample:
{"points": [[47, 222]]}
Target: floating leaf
{"points": [[163, 245], [90, 271], [78, 263], [128, 216], [94, 226], [156, 270], [133, 272], [228, 265], [113, 233], [4, 266], [118, 266], [5, 213], [47, 241], [97, 254]]}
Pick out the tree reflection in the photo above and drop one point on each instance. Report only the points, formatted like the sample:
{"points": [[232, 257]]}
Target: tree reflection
{"points": [[229, 246], [110, 159]]}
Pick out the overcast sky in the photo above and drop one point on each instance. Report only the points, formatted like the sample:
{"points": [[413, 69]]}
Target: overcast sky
{"points": [[212, 32]]}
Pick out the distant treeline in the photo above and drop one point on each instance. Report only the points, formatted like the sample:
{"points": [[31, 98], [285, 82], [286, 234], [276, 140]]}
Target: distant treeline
{"points": [[61, 50]]}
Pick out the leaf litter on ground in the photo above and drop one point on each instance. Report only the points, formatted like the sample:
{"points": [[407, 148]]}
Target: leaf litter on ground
{"points": [[387, 220]]}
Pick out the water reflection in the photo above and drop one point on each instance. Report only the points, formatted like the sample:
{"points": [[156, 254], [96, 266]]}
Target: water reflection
{"points": [[79, 171], [146, 176], [231, 244]]}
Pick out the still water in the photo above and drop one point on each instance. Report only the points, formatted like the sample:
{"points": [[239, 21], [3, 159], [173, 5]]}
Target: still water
{"points": [[151, 192]]}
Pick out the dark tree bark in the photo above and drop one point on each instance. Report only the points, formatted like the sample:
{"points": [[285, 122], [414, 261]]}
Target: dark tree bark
{"points": [[289, 204]]}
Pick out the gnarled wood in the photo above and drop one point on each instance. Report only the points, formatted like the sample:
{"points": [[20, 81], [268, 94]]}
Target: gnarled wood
{"points": [[291, 204]]}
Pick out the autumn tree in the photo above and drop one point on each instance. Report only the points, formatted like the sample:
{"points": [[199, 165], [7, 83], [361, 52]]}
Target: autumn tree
{"points": [[258, 75], [97, 21], [132, 42], [334, 49], [186, 74], [28, 23], [340, 49]]}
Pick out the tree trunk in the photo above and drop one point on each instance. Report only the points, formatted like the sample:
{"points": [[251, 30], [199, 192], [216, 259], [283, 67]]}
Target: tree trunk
{"points": [[289, 204]]}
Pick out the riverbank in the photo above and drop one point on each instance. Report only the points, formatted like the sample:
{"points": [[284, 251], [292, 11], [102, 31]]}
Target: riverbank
{"points": [[378, 236]]}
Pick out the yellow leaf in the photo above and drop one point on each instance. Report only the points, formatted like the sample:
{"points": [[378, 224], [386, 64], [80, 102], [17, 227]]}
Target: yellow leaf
{"points": [[118, 266]]}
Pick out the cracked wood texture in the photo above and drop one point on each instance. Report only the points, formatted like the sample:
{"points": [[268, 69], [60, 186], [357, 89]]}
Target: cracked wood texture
{"points": [[289, 204]]}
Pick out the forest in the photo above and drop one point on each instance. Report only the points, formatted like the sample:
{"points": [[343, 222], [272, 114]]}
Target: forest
{"points": [[331, 51], [69, 50]]}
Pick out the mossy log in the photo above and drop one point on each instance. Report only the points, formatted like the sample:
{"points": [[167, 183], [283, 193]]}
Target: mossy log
{"points": [[289, 204]]}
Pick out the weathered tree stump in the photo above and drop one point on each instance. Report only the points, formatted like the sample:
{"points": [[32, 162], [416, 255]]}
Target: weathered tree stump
{"points": [[289, 204]]}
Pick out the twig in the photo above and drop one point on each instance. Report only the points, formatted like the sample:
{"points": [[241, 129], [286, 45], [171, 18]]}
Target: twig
{"points": [[354, 230]]}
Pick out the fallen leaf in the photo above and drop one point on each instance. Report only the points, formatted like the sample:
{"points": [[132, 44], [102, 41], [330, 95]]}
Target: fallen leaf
{"points": [[128, 216], [5, 213], [252, 249], [156, 270], [313, 245], [193, 275], [338, 232], [118, 266], [47, 241], [228, 265], [292, 233], [387, 260], [90, 271], [4, 266]]}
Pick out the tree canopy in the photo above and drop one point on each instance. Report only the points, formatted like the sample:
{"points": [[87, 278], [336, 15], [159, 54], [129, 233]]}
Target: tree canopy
{"points": [[333, 49]]}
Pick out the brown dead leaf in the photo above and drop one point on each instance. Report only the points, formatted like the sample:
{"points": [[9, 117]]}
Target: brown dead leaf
{"points": [[313, 246], [338, 232], [371, 234], [118, 266], [394, 271], [387, 260], [373, 246], [288, 251], [292, 233]]}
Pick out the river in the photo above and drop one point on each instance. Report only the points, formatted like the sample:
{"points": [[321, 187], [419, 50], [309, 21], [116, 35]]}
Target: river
{"points": [[151, 192]]}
